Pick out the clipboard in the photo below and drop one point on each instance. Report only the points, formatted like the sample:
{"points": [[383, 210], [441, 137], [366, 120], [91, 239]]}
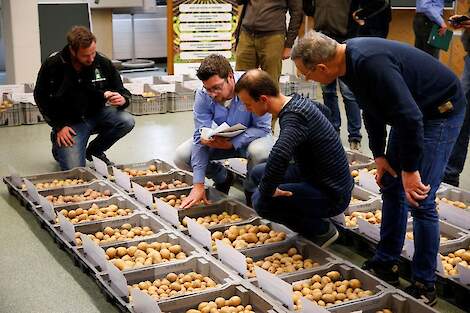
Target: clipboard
{"points": [[440, 42]]}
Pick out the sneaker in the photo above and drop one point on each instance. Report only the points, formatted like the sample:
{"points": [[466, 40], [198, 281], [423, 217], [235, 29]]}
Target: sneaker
{"points": [[225, 186], [388, 272], [326, 239], [355, 145], [427, 294], [101, 156]]}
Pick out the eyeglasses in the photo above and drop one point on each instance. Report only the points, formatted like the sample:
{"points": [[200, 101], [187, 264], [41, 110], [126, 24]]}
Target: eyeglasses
{"points": [[216, 88], [303, 76]]}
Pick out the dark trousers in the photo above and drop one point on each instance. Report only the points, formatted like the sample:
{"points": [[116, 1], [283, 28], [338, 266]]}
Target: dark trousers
{"points": [[422, 28]]}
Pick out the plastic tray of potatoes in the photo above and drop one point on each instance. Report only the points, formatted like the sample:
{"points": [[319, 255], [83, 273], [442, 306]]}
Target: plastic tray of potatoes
{"points": [[371, 211], [152, 167], [195, 275], [165, 182], [358, 160], [165, 243], [292, 256], [174, 197], [224, 212], [389, 302], [117, 206], [232, 296], [320, 285], [454, 206], [453, 254], [362, 198]]}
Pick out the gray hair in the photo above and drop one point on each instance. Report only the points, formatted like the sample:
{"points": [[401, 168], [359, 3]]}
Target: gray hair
{"points": [[314, 48]]}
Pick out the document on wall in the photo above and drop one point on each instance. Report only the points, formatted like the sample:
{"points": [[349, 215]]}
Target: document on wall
{"points": [[223, 130]]}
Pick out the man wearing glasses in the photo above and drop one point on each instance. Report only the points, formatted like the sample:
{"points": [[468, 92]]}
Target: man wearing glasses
{"points": [[217, 103]]}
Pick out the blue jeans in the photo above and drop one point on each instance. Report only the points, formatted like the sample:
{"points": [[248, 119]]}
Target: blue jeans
{"points": [[306, 211], [353, 112], [439, 138], [459, 153], [110, 124]]}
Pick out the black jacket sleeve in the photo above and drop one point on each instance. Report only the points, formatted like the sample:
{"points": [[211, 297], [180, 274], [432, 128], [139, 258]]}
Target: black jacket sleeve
{"points": [[115, 82]]}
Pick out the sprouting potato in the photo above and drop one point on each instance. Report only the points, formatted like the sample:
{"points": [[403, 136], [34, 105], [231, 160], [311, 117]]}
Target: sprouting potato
{"points": [[371, 217]]}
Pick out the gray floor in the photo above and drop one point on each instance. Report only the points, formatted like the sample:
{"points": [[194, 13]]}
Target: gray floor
{"points": [[35, 276]]}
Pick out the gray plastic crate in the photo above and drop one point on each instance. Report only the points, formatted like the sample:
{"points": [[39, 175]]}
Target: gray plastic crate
{"points": [[236, 165], [306, 89], [12, 116], [31, 114], [304, 247], [162, 167], [140, 105], [451, 248], [396, 301], [260, 302], [168, 178], [200, 265], [358, 160], [187, 246], [181, 100], [370, 205], [212, 195], [452, 214]]}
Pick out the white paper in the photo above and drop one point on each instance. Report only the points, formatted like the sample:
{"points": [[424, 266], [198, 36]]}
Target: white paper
{"points": [[135, 88], [100, 166], [223, 130], [275, 286], [464, 274], [454, 215], [409, 248], [93, 252], [168, 213], [67, 228], [143, 195], [15, 177], [373, 231], [143, 303], [118, 281], [122, 179], [231, 257], [367, 181], [163, 88], [48, 209], [310, 307], [32, 191], [199, 233]]}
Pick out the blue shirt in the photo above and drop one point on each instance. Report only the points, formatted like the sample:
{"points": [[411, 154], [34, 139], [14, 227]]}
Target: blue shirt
{"points": [[433, 9], [206, 110]]}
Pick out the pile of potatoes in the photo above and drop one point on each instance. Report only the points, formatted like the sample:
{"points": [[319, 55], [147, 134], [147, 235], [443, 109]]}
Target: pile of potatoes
{"points": [[221, 305], [355, 173], [151, 170], [5, 104], [58, 183], [409, 236], [384, 311], [280, 263], [150, 186], [458, 204], [214, 219], [247, 236], [355, 201], [450, 261], [175, 285], [328, 290], [175, 201], [372, 217], [88, 195], [94, 213], [109, 235], [148, 94], [144, 254]]}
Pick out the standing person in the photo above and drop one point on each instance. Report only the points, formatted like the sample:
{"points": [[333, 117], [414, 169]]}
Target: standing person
{"points": [[303, 194], [428, 14], [217, 103], [422, 101], [72, 89]]}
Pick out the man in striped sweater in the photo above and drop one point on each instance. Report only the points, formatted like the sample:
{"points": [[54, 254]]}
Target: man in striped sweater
{"points": [[302, 194]]}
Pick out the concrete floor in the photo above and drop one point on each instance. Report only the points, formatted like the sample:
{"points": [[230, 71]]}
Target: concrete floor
{"points": [[35, 275]]}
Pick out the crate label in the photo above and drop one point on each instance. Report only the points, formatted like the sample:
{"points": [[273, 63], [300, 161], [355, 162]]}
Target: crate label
{"points": [[168, 213], [143, 303], [67, 227], [32, 191], [340, 219], [100, 166], [409, 248], [118, 281], [310, 307], [464, 274], [367, 181], [122, 179], [143, 195], [275, 286], [372, 231], [199, 233], [454, 215], [231, 257], [15, 177], [439, 267], [163, 88], [48, 209], [93, 252]]}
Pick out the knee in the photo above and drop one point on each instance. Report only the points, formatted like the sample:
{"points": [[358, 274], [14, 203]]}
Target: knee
{"points": [[69, 157], [127, 122], [182, 157]]}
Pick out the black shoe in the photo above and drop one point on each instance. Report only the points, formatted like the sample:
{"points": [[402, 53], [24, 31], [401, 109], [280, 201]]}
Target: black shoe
{"points": [[248, 196], [426, 294], [388, 272], [326, 239], [101, 156], [225, 186]]}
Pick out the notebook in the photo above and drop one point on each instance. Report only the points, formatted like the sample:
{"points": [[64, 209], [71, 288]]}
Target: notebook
{"points": [[440, 42]]}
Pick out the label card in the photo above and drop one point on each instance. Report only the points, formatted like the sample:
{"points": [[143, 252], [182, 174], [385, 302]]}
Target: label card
{"points": [[230, 256], [118, 281], [143, 303], [143, 195], [48, 209], [464, 274], [310, 307], [439, 267], [67, 228], [94, 253], [168, 213], [199, 233], [454, 215], [15, 177], [100, 166], [409, 248], [373, 231], [339, 218], [367, 181], [32, 191], [122, 179], [275, 286]]}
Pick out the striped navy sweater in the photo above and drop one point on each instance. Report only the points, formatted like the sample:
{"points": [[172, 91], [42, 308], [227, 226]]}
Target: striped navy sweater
{"points": [[308, 137]]}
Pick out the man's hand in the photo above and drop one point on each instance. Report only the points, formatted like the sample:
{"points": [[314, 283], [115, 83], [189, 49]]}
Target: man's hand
{"points": [[464, 24], [443, 29], [114, 98], [382, 167], [357, 19], [282, 193], [286, 53], [415, 190], [65, 137], [197, 194], [218, 142]]}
